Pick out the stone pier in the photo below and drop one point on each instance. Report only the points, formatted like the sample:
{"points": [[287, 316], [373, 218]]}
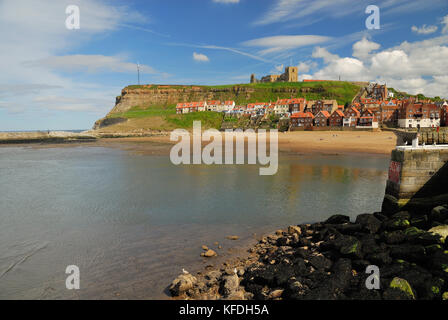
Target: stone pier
{"points": [[418, 178]]}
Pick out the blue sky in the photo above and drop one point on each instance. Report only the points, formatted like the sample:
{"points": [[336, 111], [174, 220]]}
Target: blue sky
{"points": [[54, 78]]}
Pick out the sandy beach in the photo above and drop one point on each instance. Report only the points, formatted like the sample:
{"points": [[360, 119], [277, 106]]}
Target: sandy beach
{"points": [[303, 142]]}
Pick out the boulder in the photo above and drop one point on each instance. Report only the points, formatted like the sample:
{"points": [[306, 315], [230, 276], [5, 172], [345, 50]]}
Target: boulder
{"points": [[209, 253], [408, 252], [439, 213], [420, 222], [368, 222], [212, 277], [337, 219], [396, 224], [352, 250], [229, 285], [181, 284], [399, 289], [442, 231], [294, 230], [320, 262], [276, 294], [394, 237]]}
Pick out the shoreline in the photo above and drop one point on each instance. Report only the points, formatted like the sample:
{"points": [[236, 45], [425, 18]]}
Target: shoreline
{"points": [[328, 260], [320, 142]]}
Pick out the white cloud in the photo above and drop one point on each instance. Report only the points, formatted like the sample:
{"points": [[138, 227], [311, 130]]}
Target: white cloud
{"points": [[324, 54], [88, 63], [309, 12], [418, 67], [306, 66], [226, 1], [287, 42], [363, 48], [36, 49], [445, 23], [200, 57], [424, 29]]}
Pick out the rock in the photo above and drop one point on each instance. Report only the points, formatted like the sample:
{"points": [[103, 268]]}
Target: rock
{"points": [[230, 284], [209, 253], [420, 222], [181, 284], [337, 219], [320, 262], [294, 230], [352, 250], [394, 237], [439, 213], [348, 228], [204, 247], [442, 231], [276, 294], [408, 252], [402, 287], [445, 296], [380, 216], [396, 224], [433, 248], [404, 215], [368, 222], [233, 237], [380, 258], [212, 277]]}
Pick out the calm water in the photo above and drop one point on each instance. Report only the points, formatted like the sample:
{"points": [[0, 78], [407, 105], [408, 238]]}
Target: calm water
{"points": [[132, 222]]}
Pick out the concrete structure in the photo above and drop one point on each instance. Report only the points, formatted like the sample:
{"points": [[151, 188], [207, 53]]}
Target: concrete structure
{"points": [[290, 75], [417, 178]]}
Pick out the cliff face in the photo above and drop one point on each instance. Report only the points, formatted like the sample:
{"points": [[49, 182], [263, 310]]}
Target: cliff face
{"points": [[143, 96]]}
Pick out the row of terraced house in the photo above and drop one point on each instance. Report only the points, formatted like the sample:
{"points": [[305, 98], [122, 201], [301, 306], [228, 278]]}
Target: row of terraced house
{"points": [[367, 113]]}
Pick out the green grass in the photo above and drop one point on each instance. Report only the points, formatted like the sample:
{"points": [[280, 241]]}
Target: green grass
{"points": [[341, 91], [144, 112], [208, 119]]}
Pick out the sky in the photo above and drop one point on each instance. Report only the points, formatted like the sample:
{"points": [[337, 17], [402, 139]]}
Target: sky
{"points": [[55, 78]]}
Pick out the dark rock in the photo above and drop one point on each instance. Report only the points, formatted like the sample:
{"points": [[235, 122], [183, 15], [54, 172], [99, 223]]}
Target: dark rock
{"points": [[380, 216], [404, 215], [399, 289], [320, 262], [348, 228], [361, 265], [380, 258], [415, 235], [420, 222], [433, 248], [408, 252], [368, 222], [337, 219], [394, 237], [396, 224], [352, 250], [439, 214]]}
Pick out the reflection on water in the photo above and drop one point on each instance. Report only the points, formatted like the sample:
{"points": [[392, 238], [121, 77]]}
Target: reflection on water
{"points": [[132, 222]]}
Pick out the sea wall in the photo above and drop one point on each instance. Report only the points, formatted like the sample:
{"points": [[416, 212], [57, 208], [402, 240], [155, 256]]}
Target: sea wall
{"points": [[417, 178]]}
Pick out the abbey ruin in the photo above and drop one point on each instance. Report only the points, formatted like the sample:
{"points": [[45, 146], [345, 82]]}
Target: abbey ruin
{"points": [[290, 75]]}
